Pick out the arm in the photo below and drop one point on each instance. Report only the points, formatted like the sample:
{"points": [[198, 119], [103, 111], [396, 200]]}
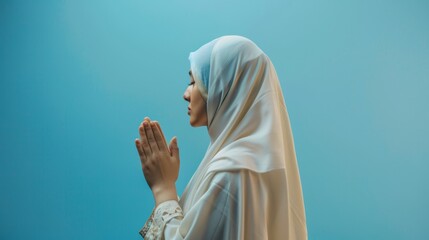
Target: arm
{"points": [[216, 214], [160, 164], [204, 220]]}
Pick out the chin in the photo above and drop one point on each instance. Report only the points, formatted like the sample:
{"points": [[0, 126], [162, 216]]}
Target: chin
{"points": [[194, 123]]}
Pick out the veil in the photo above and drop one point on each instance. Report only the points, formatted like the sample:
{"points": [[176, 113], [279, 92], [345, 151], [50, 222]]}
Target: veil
{"points": [[248, 122]]}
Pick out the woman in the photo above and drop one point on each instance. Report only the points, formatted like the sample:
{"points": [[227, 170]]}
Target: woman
{"points": [[247, 186]]}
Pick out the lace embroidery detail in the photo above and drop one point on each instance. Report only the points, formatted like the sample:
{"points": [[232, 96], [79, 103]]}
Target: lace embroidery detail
{"points": [[146, 226], [154, 227]]}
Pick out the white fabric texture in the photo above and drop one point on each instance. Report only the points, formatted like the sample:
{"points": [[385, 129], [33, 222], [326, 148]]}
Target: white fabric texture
{"points": [[200, 66], [247, 186]]}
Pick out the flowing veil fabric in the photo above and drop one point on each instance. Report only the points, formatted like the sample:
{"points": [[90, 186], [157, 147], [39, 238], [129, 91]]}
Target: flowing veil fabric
{"points": [[249, 130]]}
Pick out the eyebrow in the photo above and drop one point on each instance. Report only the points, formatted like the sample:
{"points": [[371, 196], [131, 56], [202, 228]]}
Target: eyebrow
{"points": [[190, 73]]}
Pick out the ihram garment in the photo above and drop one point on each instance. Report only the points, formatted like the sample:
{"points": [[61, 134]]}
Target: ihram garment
{"points": [[247, 186]]}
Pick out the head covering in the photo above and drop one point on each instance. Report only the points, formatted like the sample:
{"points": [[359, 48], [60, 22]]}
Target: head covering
{"points": [[248, 121], [200, 66]]}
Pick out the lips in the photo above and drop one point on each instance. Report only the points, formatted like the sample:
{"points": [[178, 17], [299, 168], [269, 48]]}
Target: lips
{"points": [[189, 110]]}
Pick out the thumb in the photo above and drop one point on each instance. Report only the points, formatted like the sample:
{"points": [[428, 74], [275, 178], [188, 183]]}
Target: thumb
{"points": [[174, 148]]}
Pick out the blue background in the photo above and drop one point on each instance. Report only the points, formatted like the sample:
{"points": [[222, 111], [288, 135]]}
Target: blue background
{"points": [[77, 77]]}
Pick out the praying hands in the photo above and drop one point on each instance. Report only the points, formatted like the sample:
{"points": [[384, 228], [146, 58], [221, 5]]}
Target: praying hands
{"points": [[160, 163]]}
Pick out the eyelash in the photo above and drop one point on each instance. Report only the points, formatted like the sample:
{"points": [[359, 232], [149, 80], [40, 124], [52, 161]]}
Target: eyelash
{"points": [[192, 83]]}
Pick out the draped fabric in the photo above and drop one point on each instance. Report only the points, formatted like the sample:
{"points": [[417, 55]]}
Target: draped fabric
{"points": [[247, 186]]}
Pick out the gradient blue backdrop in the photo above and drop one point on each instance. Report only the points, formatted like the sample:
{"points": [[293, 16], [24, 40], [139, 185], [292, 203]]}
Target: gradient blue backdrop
{"points": [[77, 77]]}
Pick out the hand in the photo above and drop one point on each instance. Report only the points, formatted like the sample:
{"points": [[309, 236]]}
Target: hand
{"points": [[160, 163]]}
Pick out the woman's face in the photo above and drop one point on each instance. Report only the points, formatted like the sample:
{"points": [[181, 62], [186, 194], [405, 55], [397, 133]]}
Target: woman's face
{"points": [[197, 108]]}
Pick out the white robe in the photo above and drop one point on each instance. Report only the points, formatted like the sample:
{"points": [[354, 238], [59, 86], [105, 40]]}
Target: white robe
{"points": [[247, 186]]}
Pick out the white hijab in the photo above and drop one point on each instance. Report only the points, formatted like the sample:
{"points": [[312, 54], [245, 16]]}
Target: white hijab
{"points": [[248, 121]]}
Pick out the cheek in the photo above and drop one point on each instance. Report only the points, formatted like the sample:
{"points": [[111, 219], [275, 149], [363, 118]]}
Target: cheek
{"points": [[200, 103], [194, 93], [195, 101]]}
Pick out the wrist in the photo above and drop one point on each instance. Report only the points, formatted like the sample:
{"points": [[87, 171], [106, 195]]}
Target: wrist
{"points": [[164, 193]]}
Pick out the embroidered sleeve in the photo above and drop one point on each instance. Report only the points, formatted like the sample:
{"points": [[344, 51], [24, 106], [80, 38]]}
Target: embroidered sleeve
{"points": [[154, 227]]}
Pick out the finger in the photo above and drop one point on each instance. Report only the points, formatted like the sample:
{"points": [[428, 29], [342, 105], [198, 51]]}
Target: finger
{"points": [[162, 134], [140, 151], [174, 148], [158, 137], [150, 137], [144, 141]]}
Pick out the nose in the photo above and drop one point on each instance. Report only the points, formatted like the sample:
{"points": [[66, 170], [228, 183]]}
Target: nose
{"points": [[187, 95]]}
